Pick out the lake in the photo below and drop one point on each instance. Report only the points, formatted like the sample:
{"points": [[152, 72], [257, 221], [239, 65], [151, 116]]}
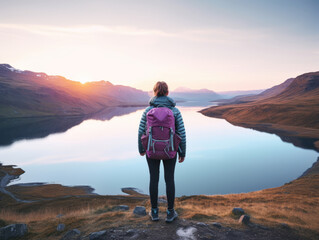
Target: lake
{"points": [[102, 152]]}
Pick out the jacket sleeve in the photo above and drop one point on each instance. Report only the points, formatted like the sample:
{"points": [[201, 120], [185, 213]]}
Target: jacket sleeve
{"points": [[180, 130], [142, 130]]}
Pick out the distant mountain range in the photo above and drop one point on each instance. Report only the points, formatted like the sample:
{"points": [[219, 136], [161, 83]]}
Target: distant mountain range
{"points": [[186, 94], [30, 94], [231, 94], [273, 91], [27, 93]]}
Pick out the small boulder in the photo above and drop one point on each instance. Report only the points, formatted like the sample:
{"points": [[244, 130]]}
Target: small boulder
{"points": [[13, 231], [98, 235], [186, 233], [131, 233], [284, 225], [140, 210], [244, 219], [217, 225], [201, 224], [60, 227], [238, 211], [73, 234], [121, 208]]}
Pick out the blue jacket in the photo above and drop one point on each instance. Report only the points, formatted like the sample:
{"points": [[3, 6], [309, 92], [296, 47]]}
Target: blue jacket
{"points": [[179, 124]]}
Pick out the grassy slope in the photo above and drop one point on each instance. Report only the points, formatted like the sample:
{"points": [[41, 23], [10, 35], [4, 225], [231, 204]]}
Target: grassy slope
{"points": [[294, 111]]}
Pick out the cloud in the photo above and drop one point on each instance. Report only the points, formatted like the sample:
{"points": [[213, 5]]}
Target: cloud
{"points": [[85, 29], [218, 35]]}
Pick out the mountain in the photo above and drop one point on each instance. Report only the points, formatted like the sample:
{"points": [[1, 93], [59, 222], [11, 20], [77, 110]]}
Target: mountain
{"points": [[27, 93], [289, 110], [273, 91], [187, 94], [232, 94]]}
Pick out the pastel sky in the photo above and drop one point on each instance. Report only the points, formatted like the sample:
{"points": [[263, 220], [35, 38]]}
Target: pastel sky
{"points": [[220, 45]]}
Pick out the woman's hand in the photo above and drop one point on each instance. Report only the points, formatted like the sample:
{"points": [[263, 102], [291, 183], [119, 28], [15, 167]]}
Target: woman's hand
{"points": [[181, 159]]}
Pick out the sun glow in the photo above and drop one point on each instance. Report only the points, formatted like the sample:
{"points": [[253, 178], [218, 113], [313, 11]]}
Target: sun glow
{"points": [[213, 49]]}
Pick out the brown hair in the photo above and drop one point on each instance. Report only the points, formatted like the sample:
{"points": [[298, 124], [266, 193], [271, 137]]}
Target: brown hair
{"points": [[160, 89]]}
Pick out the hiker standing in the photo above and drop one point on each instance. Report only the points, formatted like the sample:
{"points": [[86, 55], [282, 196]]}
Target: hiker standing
{"points": [[161, 136]]}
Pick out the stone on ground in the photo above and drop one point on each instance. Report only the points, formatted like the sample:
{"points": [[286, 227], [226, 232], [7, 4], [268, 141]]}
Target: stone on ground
{"points": [[140, 210], [73, 234], [244, 219], [13, 231], [238, 211], [60, 227], [186, 233]]}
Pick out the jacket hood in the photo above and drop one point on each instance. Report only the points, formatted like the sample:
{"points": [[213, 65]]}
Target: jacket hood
{"points": [[162, 101]]}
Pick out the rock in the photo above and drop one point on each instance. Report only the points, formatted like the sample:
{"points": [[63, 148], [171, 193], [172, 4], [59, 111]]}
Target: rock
{"points": [[217, 225], [238, 211], [97, 235], [121, 208], [162, 200], [73, 234], [244, 219], [131, 233], [13, 231], [186, 233], [201, 224], [133, 191], [284, 225], [139, 210], [60, 227], [261, 227]]}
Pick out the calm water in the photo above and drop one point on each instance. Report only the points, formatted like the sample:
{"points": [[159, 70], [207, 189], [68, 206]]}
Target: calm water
{"points": [[221, 158]]}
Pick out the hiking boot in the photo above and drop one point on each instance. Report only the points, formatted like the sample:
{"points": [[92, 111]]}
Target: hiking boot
{"points": [[154, 214], [171, 215]]}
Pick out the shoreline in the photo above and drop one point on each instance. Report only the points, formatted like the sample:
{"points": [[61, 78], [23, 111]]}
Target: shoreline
{"points": [[304, 137]]}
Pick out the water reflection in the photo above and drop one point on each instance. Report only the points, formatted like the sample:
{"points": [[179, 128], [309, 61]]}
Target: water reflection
{"points": [[15, 129], [285, 136], [221, 158]]}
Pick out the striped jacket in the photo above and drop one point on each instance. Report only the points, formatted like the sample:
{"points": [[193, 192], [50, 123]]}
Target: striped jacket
{"points": [[179, 124]]}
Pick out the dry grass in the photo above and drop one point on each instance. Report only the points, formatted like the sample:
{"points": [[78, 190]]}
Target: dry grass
{"points": [[45, 191], [93, 213], [10, 169], [272, 206]]}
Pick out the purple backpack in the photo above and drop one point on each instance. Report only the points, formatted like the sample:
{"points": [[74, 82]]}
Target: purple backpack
{"points": [[160, 140]]}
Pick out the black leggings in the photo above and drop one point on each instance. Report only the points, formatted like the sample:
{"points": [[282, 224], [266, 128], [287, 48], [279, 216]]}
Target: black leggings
{"points": [[169, 168]]}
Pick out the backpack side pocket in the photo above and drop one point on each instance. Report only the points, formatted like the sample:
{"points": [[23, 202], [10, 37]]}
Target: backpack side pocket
{"points": [[144, 140]]}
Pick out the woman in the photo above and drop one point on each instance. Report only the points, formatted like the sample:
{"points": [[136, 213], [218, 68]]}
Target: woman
{"points": [[161, 99]]}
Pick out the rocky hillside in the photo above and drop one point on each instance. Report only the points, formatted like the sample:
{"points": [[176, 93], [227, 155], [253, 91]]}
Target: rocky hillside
{"points": [[296, 105], [294, 111], [26, 94]]}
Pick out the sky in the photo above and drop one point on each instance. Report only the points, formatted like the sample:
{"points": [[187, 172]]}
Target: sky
{"points": [[217, 44]]}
